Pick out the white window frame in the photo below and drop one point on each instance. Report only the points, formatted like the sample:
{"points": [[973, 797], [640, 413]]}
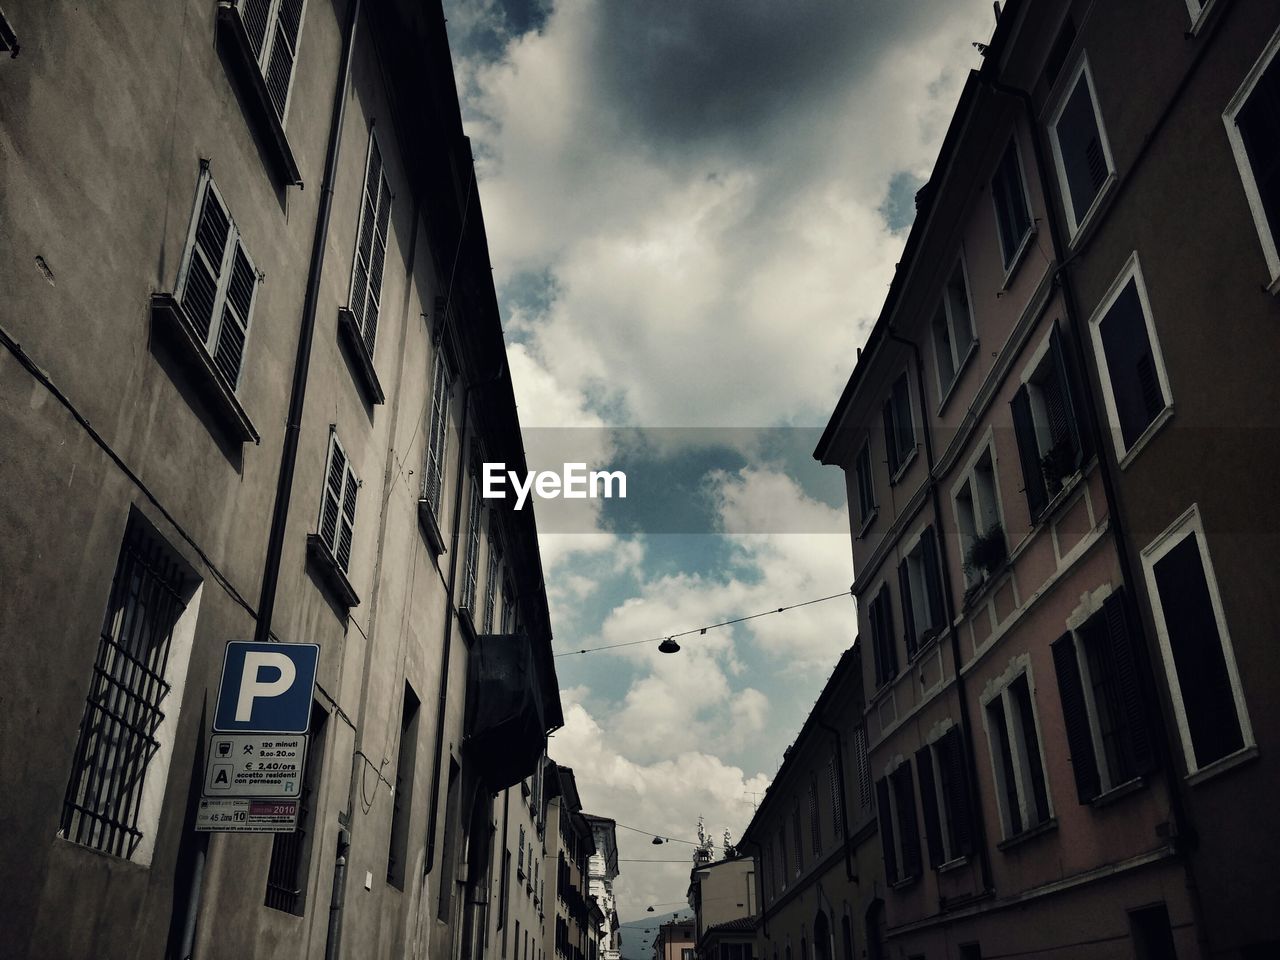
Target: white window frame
{"points": [[958, 362], [1132, 270], [910, 456], [348, 477], [1000, 689], [1270, 244], [235, 242], [1075, 222], [912, 551], [438, 414], [1035, 396], [968, 479], [1019, 248], [1199, 11], [1190, 523]]}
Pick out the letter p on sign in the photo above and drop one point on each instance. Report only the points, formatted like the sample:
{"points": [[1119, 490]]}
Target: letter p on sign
{"points": [[266, 687]]}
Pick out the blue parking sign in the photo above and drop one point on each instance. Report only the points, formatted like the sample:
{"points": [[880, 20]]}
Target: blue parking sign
{"points": [[266, 687]]}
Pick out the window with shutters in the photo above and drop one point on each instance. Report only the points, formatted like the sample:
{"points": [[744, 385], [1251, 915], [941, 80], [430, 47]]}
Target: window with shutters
{"points": [[979, 519], [1080, 148], [862, 767], [437, 435], [1053, 442], [884, 647], [217, 282], [290, 862], [402, 796], [491, 576], [1013, 218], [118, 769], [1252, 119], [1104, 703], [899, 428], [1014, 739], [899, 830], [815, 821], [797, 836], [1195, 645], [944, 796], [338, 504], [274, 28], [836, 788], [365, 298], [782, 859], [471, 570], [866, 488], [953, 337], [920, 591], [1135, 386]]}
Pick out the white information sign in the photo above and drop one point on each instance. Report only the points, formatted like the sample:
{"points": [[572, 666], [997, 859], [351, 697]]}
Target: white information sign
{"points": [[255, 765], [243, 815]]}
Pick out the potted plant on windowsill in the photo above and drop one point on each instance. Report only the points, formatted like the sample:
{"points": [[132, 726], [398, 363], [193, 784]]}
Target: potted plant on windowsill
{"points": [[986, 555], [1057, 465]]}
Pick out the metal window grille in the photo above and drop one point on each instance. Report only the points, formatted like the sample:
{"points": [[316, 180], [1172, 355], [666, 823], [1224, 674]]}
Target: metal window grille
{"points": [[117, 738], [437, 439], [291, 852], [371, 246]]}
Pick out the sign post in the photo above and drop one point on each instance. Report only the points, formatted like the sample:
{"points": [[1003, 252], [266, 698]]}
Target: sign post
{"points": [[254, 769]]}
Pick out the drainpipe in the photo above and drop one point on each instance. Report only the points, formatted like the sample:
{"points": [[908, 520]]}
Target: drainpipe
{"points": [[844, 797], [289, 454], [1182, 826], [975, 804]]}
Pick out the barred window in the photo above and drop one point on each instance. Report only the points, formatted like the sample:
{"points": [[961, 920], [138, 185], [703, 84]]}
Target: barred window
{"points": [[438, 438], [217, 282], [365, 298], [119, 743], [291, 852]]}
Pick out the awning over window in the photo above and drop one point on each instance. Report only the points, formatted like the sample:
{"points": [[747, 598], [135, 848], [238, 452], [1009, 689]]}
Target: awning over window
{"points": [[506, 729]]}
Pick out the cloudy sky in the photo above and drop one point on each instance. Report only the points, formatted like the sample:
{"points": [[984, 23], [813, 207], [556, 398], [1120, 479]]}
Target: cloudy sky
{"points": [[694, 208]]}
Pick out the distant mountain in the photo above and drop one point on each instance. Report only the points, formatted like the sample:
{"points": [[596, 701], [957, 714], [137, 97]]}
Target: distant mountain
{"points": [[637, 935]]}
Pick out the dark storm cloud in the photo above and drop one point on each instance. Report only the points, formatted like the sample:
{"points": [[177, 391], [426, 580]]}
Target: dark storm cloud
{"points": [[683, 72]]}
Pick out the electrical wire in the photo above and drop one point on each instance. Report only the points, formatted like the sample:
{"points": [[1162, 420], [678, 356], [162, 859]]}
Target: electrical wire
{"points": [[709, 626], [655, 833]]}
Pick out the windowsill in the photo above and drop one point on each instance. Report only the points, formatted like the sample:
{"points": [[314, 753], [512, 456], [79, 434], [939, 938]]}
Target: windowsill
{"points": [[1118, 793], [1223, 764], [1163, 417], [234, 41], [866, 524], [430, 528], [349, 334], [333, 576], [976, 592], [468, 624], [1273, 287], [1040, 829], [1069, 484], [903, 467], [924, 646], [953, 864], [905, 882], [955, 377], [1094, 213], [169, 320], [1018, 256]]}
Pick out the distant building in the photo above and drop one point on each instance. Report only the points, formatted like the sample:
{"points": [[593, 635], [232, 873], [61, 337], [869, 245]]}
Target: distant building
{"points": [[813, 835], [675, 940], [602, 870], [571, 838], [724, 899]]}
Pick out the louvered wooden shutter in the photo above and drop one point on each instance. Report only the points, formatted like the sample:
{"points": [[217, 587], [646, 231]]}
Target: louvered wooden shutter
{"points": [[955, 791], [277, 69], [815, 823], [886, 831], [254, 14], [1028, 453], [242, 285], [347, 524], [890, 437], [1075, 717], [908, 614], [1130, 685], [933, 579], [929, 803], [214, 237], [837, 797], [1064, 418], [371, 247], [331, 512], [904, 797]]}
